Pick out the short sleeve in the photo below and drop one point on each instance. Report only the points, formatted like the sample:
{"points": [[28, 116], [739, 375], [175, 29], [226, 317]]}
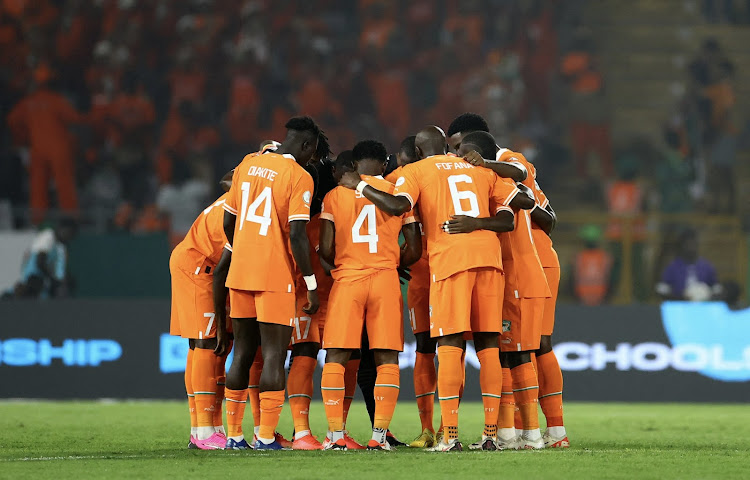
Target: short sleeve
{"points": [[541, 198], [503, 192], [407, 185], [328, 207], [231, 204], [301, 195]]}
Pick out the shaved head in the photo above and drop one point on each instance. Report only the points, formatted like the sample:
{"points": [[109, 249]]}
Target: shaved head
{"points": [[430, 141]]}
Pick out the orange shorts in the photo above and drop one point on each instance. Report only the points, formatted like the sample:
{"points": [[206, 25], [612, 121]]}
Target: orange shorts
{"points": [[418, 301], [192, 295], [468, 301], [306, 328], [522, 323], [269, 307], [553, 280], [370, 303]]}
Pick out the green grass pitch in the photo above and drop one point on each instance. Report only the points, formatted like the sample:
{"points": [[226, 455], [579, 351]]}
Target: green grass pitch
{"points": [[148, 439]]}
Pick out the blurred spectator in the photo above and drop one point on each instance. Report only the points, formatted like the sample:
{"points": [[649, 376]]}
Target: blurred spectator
{"points": [[689, 276], [627, 228], [673, 173], [40, 121], [181, 200], [44, 272], [587, 109], [592, 269]]}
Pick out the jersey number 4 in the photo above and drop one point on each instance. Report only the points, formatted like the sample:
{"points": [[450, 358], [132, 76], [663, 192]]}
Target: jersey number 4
{"points": [[458, 195], [366, 215], [249, 213]]}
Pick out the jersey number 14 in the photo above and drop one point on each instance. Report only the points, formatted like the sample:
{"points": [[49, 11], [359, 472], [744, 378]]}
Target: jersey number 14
{"points": [[249, 213]]}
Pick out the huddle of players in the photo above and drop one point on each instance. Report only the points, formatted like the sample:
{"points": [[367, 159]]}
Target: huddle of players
{"points": [[473, 230]]}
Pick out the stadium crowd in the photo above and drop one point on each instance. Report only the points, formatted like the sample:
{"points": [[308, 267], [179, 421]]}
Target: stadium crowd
{"points": [[146, 104]]}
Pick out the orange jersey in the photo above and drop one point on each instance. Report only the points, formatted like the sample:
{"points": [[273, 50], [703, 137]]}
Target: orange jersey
{"points": [[324, 281], [523, 269], [547, 254], [268, 191], [394, 175], [366, 237], [445, 185], [206, 235]]}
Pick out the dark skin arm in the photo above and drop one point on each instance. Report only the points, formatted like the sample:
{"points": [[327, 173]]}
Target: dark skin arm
{"points": [[412, 249], [546, 219], [386, 202], [301, 253], [504, 221], [327, 250], [515, 172], [523, 200], [220, 302]]}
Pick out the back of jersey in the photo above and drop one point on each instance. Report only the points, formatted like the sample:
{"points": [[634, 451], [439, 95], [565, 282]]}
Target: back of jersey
{"points": [[206, 235], [366, 238], [521, 260], [446, 185], [268, 191]]}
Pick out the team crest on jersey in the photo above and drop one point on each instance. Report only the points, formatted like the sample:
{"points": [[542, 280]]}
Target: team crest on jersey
{"points": [[430, 311], [506, 326], [400, 181], [307, 196]]}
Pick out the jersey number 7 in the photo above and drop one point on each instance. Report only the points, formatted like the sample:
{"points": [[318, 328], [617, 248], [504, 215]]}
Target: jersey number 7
{"points": [[249, 213], [366, 215]]}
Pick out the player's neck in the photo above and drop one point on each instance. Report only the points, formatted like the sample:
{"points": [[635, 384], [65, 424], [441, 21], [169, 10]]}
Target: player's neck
{"points": [[372, 170], [433, 153]]}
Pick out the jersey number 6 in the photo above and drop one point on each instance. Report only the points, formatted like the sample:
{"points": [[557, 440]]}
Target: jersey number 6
{"points": [[458, 195]]}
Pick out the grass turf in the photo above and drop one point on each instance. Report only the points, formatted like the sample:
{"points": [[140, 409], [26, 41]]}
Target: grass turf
{"points": [[148, 440]]}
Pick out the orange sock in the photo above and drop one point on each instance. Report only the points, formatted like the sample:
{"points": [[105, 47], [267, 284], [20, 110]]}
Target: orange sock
{"points": [[387, 386], [254, 387], [425, 382], [550, 389], [350, 385], [449, 386], [507, 405], [299, 386], [221, 379], [525, 390], [190, 393], [271, 403], [236, 401], [491, 383], [204, 387], [332, 388]]}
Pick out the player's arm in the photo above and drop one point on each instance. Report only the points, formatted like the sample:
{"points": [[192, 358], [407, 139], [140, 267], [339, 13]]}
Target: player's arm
{"points": [[327, 251], [513, 170], [220, 292], [390, 204], [504, 221], [412, 249], [544, 218], [301, 251], [524, 199]]}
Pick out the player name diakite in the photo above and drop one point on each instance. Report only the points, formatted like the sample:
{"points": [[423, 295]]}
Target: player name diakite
{"points": [[453, 166], [262, 172]]}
